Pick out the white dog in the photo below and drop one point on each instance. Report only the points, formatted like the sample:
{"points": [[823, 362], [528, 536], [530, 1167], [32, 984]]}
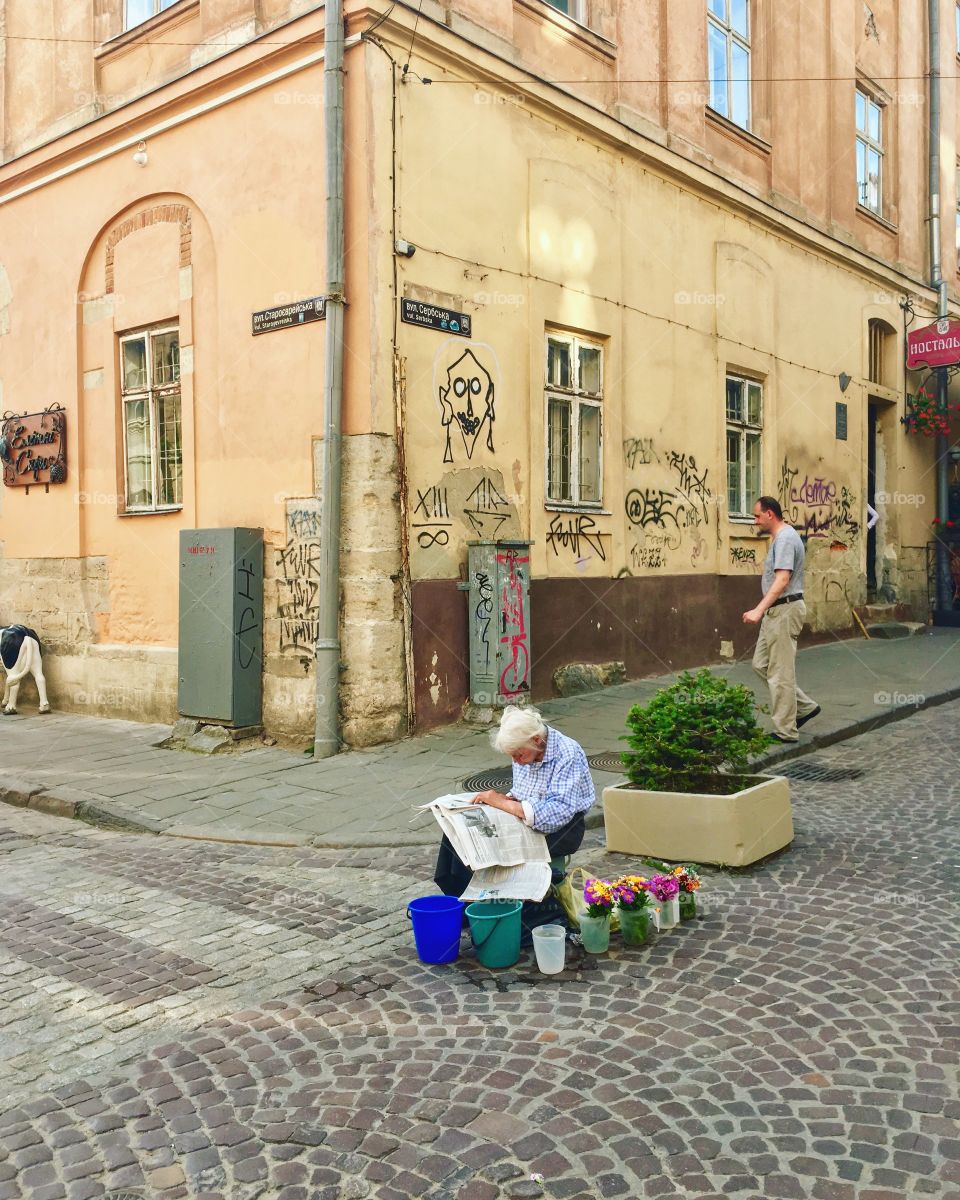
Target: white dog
{"points": [[20, 655]]}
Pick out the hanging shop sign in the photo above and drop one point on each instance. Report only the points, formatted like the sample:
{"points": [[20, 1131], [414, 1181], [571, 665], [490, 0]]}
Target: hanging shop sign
{"points": [[300, 312], [415, 312], [33, 447], [936, 345]]}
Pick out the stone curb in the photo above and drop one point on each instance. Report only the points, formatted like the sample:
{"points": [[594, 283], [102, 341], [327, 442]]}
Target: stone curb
{"points": [[106, 814]]}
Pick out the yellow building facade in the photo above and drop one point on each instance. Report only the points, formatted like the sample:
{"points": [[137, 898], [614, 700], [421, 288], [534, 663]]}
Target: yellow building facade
{"points": [[604, 288]]}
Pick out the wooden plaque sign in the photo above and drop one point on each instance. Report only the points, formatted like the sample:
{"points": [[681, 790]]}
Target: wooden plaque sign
{"points": [[33, 447]]}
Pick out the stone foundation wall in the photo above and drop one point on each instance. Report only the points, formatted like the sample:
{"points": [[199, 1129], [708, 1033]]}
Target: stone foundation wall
{"points": [[62, 599]]}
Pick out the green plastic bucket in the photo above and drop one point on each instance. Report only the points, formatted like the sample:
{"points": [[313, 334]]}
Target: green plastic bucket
{"points": [[495, 929]]}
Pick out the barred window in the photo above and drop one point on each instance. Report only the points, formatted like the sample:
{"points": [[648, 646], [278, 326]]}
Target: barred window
{"points": [[744, 401], [152, 441], [574, 417]]}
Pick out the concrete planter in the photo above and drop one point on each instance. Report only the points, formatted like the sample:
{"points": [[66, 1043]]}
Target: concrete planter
{"points": [[682, 827]]}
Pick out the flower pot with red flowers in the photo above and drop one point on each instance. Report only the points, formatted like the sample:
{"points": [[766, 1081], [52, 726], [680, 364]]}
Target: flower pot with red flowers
{"points": [[636, 909], [689, 881]]}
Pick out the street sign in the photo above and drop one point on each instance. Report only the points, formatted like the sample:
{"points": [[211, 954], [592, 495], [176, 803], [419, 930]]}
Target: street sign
{"points": [[300, 312], [936, 345], [414, 312]]}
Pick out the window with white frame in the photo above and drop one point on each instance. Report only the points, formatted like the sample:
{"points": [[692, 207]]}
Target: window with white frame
{"points": [[574, 416], [135, 12], [957, 187], [728, 56], [573, 8], [744, 399], [152, 442], [869, 152]]}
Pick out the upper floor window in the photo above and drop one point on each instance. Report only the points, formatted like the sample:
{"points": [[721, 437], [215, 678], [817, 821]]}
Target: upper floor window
{"points": [[573, 8], [152, 442], [744, 456], [958, 212], [957, 17], [574, 400], [869, 152], [135, 12], [728, 53]]}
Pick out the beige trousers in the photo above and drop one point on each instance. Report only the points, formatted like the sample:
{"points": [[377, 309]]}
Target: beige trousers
{"points": [[775, 660]]}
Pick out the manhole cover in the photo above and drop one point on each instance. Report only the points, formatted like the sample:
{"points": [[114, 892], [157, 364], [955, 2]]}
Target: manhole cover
{"points": [[123, 1195], [609, 760], [814, 772], [497, 778]]}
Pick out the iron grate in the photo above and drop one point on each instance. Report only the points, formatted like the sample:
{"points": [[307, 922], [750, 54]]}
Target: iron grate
{"points": [[608, 760], [497, 778], [811, 771]]}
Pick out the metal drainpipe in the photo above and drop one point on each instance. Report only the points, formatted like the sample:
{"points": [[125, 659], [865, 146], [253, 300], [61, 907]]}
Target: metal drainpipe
{"points": [[944, 588], [326, 740]]}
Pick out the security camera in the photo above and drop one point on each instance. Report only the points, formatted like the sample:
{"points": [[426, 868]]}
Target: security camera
{"points": [[405, 248]]}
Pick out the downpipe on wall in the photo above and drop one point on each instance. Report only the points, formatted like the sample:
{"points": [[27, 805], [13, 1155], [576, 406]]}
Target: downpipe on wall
{"points": [[326, 740], [944, 586]]}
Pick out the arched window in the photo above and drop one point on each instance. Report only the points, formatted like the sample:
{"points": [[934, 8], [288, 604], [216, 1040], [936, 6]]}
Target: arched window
{"points": [[881, 353]]}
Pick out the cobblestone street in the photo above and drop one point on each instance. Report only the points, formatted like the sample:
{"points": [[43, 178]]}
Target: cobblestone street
{"points": [[186, 1019]]}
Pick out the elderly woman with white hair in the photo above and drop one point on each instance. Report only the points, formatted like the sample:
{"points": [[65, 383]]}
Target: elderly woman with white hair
{"points": [[551, 790]]}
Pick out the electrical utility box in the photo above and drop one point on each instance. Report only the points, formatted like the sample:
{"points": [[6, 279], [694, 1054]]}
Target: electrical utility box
{"points": [[498, 616], [220, 663]]}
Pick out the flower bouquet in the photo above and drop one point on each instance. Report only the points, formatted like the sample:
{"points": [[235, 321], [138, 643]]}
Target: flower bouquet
{"points": [[635, 906], [599, 897], [666, 889], [689, 880]]}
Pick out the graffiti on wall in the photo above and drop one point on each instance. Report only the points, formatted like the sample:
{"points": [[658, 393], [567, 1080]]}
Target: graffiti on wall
{"points": [[472, 499], [676, 500], [743, 554], [639, 452], [515, 676], [817, 507], [466, 397], [578, 534], [298, 576], [431, 517]]}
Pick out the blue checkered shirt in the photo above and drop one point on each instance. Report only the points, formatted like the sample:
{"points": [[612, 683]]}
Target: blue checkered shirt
{"points": [[556, 788]]}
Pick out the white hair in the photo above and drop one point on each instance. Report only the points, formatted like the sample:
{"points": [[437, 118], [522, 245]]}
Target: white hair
{"points": [[519, 729]]}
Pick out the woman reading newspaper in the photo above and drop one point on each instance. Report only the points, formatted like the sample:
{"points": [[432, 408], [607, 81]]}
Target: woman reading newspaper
{"points": [[551, 791]]}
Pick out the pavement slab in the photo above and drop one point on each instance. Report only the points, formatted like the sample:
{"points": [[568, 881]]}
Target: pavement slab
{"points": [[111, 771]]}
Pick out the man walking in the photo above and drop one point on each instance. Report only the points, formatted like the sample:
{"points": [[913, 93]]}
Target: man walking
{"points": [[780, 615]]}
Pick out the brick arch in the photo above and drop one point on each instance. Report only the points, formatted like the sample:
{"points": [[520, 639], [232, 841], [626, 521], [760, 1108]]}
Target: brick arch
{"points": [[160, 213]]}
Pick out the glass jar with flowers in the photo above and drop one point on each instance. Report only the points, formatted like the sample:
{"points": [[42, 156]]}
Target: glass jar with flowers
{"points": [[665, 890], [689, 880], [636, 916], [599, 898]]}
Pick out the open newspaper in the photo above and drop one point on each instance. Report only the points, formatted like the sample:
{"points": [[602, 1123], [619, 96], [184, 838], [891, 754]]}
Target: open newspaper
{"points": [[509, 860]]}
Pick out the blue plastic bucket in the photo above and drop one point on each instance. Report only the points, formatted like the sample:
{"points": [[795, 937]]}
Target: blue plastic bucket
{"points": [[437, 921]]}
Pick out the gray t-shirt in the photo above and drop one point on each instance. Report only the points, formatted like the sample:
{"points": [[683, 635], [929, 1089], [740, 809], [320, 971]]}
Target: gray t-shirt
{"points": [[785, 554]]}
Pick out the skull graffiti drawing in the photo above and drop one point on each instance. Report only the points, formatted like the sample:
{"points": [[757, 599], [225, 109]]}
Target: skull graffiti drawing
{"points": [[467, 399]]}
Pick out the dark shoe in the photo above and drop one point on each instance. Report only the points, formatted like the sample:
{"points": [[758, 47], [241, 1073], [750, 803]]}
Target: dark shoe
{"points": [[775, 737], [808, 717]]}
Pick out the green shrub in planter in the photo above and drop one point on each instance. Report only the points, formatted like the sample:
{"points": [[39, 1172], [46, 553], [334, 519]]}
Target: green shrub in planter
{"points": [[698, 735]]}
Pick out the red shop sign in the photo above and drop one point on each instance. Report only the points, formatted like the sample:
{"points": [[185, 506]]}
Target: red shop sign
{"points": [[33, 447], [936, 345]]}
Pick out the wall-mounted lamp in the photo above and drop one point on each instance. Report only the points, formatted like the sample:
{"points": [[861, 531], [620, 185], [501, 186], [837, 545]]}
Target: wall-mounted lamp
{"points": [[954, 454], [844, 381], [140, 154]]}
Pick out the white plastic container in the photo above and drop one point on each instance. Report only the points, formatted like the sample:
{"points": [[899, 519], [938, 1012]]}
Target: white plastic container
{"points": [[550, 946]]}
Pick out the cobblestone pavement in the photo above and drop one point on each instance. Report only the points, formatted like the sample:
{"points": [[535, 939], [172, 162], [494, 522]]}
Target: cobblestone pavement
{"points": [[181, 1019]]}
